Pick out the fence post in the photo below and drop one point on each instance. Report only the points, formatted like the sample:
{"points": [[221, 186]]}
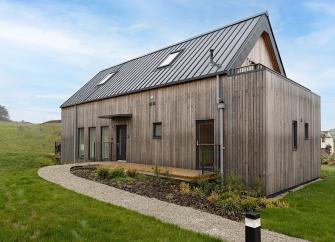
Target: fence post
{"points": [[252, 227]]}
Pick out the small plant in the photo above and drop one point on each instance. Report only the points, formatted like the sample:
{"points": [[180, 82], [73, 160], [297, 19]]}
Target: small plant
{"points": [[131, 172], [214, 197], [169, 196], [197, 191], [206, 186], [185, 188], [249, 204], [157, 171], [167, 173], [116, 172], [256, 187], [235, 183], [102, 172]]}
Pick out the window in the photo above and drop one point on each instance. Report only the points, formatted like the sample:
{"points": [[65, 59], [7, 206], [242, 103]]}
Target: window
{"points": [[295, 135], [105, 145], [168, 60], [323, 139], [106, 78], [306, 131], [157, 132], [91, 147], [81, 143]]}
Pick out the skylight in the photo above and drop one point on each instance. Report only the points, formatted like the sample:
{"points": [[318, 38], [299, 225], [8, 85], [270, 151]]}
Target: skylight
{"points": [[106, 78], [171, 57]]}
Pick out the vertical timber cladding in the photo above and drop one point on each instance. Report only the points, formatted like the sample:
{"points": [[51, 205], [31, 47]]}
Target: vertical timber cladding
{"points": [[177, 107], [244, 126], [287, 101], [67, 133]]}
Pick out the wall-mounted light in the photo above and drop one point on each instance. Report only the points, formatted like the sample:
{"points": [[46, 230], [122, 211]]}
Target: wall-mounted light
{"points": [[152, 101]]}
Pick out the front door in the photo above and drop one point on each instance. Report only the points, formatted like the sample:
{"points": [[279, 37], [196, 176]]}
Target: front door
{"points": [[121, 142], [205, 145]]}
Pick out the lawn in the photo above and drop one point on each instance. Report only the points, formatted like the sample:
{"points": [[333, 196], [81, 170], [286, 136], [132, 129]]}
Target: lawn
{"points": [[32, 209], [311, 214]]}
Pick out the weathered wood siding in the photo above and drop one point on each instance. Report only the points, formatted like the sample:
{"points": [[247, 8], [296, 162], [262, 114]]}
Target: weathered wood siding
{"points": [[260, 107], [67, 131], [177, 107], [287, 101], [245, 132], [262, 53]]}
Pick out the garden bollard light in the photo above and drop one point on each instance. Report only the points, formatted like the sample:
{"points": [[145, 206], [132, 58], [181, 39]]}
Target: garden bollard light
{"points": [[252, 227]]}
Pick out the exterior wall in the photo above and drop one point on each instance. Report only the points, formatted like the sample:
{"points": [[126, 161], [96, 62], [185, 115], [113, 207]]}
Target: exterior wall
{"points": [[285, 102], [260, 107], [177, 107], [245, 141]]}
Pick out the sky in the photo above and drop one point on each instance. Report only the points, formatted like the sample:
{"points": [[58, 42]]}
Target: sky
{"points": [[49, 49]]}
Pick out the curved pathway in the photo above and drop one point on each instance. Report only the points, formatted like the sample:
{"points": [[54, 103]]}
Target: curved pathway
{"points": [[184, 217]]}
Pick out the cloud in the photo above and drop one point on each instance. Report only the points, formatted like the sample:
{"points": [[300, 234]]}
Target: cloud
{"points": [[37, 37]]}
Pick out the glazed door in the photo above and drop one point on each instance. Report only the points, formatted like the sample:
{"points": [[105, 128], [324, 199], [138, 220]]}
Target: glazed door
{"points": [[205, 145], [121, 142]]}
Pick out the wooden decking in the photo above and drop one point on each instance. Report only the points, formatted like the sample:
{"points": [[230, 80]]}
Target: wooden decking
{"points": [[177, 173]]}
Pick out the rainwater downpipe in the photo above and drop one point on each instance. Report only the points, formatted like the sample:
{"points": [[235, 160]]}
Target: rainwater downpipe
{"points": [[221, 106]]}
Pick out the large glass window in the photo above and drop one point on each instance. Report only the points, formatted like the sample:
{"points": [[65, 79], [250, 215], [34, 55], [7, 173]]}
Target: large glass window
{"points": [[92, 141], [105, 144], [81, 143]]}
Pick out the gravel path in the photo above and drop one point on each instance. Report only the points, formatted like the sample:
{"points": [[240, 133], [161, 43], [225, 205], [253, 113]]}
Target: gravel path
{"points": [[184, 217]]}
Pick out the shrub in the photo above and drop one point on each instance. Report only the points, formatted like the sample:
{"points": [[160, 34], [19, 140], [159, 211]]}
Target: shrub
{"points": [[102, 172], [280, 204], [197, 191], [131, 172], [235, 183], [185, 188], [256, 187], [116, 172], [214, 197], [157, 170], [249, 204], [206, 186]]}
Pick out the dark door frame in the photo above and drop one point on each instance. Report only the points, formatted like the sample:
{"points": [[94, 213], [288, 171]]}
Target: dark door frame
{"points": [[199, 121], [121, 142]]}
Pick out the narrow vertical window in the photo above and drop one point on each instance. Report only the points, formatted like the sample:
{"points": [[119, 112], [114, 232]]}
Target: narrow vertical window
{"points": [[81, 143], [92, 138], [105, 145], [306, 131], [295, 135], [157, 131]]}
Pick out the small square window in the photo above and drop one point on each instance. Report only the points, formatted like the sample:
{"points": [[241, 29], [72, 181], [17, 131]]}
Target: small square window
{"points": [[157, 130], [106, 78], [169, 59], [306, 131]]}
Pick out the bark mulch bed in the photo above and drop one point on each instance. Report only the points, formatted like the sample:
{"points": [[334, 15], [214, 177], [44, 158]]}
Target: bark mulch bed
{"points": [[164, 189]]}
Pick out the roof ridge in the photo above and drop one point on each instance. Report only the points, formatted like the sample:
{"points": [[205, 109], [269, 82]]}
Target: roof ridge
{"points": [[194, 37]]}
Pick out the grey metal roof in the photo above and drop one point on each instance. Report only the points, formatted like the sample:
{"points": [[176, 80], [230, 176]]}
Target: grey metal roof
{"points": [[231, 45]]}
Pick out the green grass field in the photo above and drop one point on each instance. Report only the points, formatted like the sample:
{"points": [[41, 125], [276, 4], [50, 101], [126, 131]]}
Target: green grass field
{"points": [[311, 214], [32, 209]]}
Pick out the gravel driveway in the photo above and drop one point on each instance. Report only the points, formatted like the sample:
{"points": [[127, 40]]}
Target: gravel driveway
{"points": [[184, 217]]}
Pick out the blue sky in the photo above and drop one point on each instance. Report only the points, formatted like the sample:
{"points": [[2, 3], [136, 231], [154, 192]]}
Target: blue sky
{"points": [[49, 49]]}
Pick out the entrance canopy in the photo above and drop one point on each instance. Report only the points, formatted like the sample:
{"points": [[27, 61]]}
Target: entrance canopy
{"points": [[117, 116]]}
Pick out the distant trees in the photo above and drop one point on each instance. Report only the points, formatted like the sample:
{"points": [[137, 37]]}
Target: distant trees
{"points": [[4, 115]]}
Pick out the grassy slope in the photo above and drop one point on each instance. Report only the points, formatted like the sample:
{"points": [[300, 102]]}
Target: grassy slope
{"points": [[32, 209], [311, 214]]}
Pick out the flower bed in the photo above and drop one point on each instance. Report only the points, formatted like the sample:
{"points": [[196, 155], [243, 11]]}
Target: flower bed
{"points": [[231, 202]]}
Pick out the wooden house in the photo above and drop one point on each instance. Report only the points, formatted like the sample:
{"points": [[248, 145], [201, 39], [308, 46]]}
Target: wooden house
{"points": [[222, 96]]}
